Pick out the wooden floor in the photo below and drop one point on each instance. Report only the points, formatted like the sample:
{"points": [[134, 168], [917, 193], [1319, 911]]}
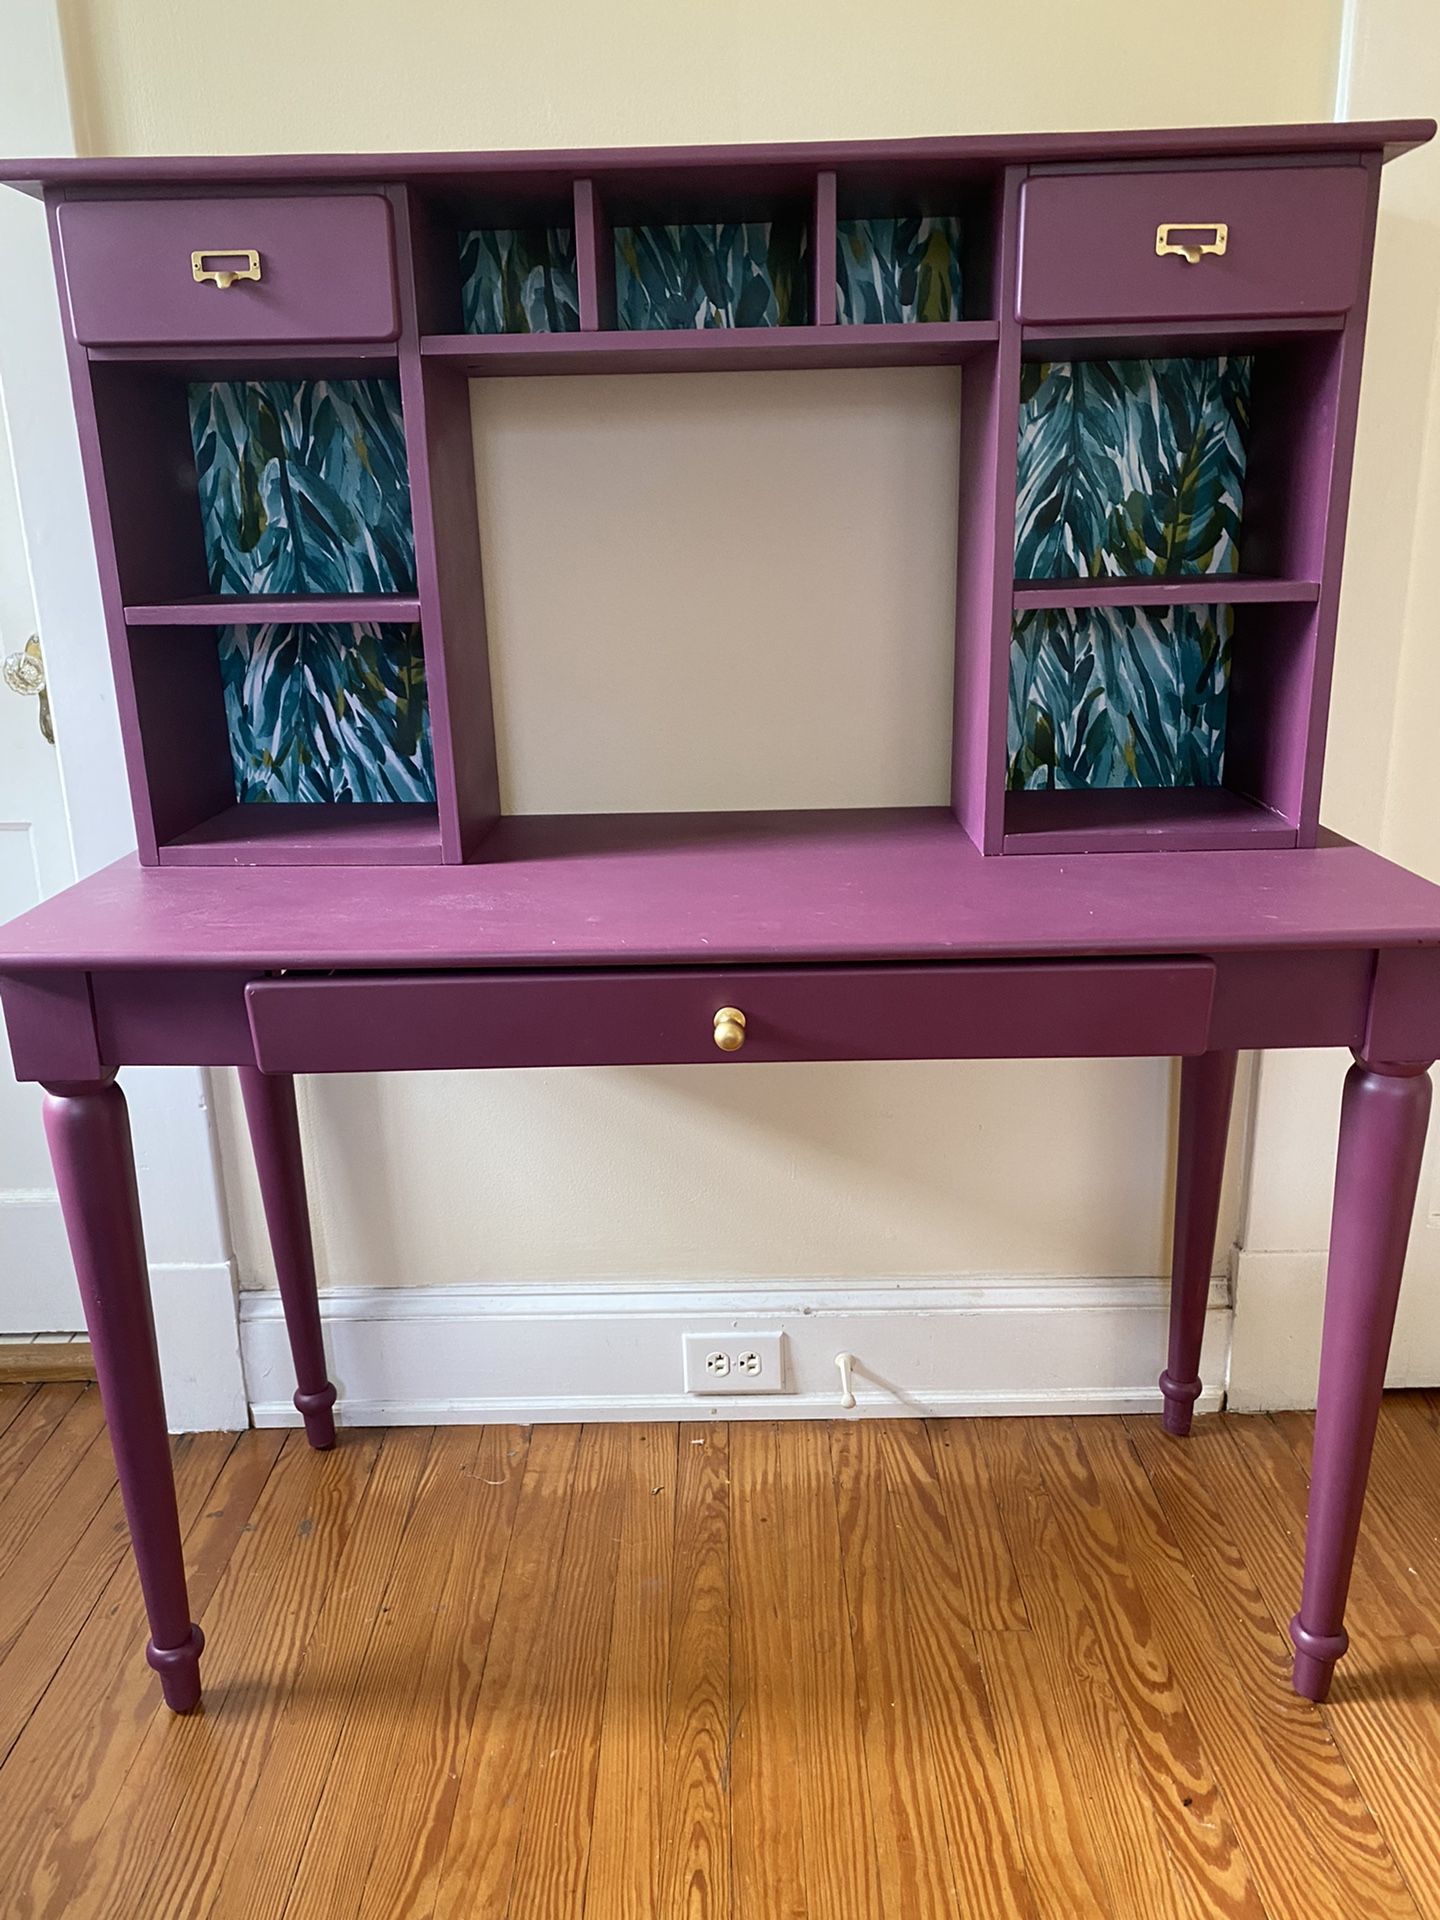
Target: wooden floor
{"points": [[896, 1669]]}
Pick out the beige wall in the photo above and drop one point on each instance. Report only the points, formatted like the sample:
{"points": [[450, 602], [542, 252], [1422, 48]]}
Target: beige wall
{"points": [[773, 534]]}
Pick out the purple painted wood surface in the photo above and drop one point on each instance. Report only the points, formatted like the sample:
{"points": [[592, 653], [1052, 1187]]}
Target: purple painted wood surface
{"points": [[304, 834], [89, 1134], [1207, 1085], [1201, 589], [436, 402], [258, 610], [710, 889], [824, 249], [275, 1138], [659, 165], [594, 263], [985, 557], [1297, 243], [714, 349], [326, 269], [1135, 819], [50, 1018], [1383, 1119], [1018, 1010]]}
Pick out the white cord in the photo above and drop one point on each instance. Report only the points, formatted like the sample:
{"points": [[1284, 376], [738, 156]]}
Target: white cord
{"points": [[844, 1361]]}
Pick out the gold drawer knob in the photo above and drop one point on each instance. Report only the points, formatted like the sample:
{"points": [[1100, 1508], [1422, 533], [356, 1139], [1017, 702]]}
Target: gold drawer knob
{"points": [[729, 1029], [227, 275], [1191, 245]]}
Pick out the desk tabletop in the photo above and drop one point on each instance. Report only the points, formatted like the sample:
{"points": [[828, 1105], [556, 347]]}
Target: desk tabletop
{"points": [[694, 890]]}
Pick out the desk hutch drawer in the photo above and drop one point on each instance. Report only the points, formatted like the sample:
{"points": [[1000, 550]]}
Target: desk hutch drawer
{"points": [[163, 272], [973, 1010], [1251, 243]]}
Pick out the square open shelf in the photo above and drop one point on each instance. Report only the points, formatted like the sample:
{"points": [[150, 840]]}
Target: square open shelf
{"points": [[324, 729], [703, 274], [245, 489], [519, 280], [899, 270]]}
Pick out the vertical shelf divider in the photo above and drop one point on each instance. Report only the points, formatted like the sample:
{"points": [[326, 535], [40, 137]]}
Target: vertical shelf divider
{"points": [[594, 259], [985, 549], [435, 399], [824, 239]]}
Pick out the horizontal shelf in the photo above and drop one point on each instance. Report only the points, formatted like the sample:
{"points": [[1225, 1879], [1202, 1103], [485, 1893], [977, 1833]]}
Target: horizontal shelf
{"points": [[310, 835], [1165, 590], [713, 349], [1139, 820], [256, 610], [268, 359], [1157, 339]]}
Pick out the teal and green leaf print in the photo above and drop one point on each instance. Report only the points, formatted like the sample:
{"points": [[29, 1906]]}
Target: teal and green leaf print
{"points": [[1131, 467], [1119, 697], [519, 280], [897, 271], [304, 486], [745, 274], [327, 713]]}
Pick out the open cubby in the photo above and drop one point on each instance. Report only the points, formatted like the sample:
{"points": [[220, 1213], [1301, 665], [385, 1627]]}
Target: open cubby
{"points": [[899, 270], [731, 273], [519, 280]]}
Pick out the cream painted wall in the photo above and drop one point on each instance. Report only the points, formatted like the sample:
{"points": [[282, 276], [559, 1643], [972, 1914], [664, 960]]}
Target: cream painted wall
{"points": [[815, 516]]}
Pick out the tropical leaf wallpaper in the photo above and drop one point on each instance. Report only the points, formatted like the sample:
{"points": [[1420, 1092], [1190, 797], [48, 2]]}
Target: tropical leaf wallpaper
{"points": [[1131, 467], [327, 713], [519, 280], [1119, 697], [897, 271], [745, 274], [304, 486]]}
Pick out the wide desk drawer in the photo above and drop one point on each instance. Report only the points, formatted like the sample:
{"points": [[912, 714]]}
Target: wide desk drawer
{"points": [[969, 1010], [217, 271], [1250, 243]]}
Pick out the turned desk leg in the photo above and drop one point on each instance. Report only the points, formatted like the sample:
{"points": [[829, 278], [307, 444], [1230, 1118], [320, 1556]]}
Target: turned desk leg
{"points": [[1207, 1085], [1382, 1135], [88, 1129], [275, 1137]]}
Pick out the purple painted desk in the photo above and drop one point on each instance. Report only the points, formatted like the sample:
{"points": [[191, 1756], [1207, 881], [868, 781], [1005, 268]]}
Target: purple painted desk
{"points": [[1132, 861], [860, 936]]}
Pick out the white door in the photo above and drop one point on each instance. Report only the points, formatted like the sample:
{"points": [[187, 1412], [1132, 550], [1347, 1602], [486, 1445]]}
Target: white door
{"points": [[37, 1285]]}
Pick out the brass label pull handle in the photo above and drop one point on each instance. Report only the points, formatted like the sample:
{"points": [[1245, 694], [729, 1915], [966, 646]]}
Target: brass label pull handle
{"points": [[1193, 249], [225, 276], [729, 1029]]}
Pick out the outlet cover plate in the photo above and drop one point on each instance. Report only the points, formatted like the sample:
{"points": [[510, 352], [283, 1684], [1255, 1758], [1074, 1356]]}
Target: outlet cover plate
{"points": [[732, 1362]]}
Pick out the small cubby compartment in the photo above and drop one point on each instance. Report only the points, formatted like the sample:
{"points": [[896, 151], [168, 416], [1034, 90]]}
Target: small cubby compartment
{"points": [[519, 279], [706, 253], [322, 728], [233, 486], [914, 251]]}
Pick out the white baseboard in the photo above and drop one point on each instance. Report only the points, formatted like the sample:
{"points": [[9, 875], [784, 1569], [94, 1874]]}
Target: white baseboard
{"points": [[198, 1339], [607, 1351]]}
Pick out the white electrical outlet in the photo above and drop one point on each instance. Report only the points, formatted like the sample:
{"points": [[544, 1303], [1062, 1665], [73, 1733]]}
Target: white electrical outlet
{"points": [[735, 1363]]}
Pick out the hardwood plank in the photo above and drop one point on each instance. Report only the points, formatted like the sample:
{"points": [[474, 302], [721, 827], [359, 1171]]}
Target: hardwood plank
{"points": [[767, 1835], [270, 1799], [553, 1855], [906, 1787], [1310, 1839], [984, 1571], [30, 1363], [841, 1874], [13, 1398], [32, 1568], [62, 1776], [65, 1424], [257, 1629], [1087, 1821], [920, 1560], [427, 1750], [478, 1863], [627, 1820], [694, 1876]]}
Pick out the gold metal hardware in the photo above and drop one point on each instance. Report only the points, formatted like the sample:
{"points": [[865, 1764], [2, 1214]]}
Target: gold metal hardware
{"points": [[225, 276], [1192, 250], [729, 1029], [25, 673]]}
